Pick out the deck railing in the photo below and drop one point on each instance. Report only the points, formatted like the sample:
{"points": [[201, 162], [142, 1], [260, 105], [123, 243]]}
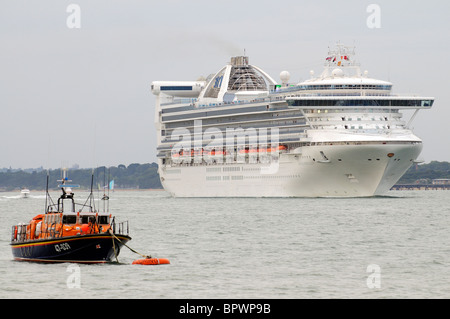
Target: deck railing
{"points": [[23, 232]]}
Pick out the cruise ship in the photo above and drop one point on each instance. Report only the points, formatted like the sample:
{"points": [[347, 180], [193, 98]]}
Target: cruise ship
{"points": [[239, 133]]}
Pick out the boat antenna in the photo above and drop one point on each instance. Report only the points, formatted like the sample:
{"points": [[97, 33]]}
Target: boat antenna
{"points": [[109, 187], [105, 198], [90, 198], [91, 195], [46, 195], [104, 185]]}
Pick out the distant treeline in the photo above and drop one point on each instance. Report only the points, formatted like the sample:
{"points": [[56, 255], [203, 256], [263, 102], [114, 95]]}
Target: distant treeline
{"points": [[133, 176], [425, 173], [145, 176]]}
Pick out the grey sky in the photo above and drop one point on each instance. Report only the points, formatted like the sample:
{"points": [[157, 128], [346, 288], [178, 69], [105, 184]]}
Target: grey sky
{"points": [[82, 96]]}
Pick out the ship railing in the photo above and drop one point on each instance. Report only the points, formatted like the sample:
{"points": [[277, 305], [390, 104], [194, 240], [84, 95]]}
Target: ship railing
{"points": [[179, 101], [19, 233], [121, 228], [26, 232], [192, 104]]}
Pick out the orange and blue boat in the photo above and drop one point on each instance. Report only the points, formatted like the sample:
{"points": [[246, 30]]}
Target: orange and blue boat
{"points": [[69, 232]]}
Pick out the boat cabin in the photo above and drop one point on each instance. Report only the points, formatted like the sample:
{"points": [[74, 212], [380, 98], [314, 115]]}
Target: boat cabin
{"points": [[55, 225]]}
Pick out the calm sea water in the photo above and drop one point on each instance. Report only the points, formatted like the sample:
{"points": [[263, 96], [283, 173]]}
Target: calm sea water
{"points": [[396, 246]]}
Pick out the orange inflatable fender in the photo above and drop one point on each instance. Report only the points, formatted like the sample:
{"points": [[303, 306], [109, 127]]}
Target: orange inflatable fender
{"points": [[151, 261]]}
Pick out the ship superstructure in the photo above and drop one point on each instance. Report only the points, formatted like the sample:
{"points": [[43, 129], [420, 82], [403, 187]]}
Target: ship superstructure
{"points": [[240, 133]]}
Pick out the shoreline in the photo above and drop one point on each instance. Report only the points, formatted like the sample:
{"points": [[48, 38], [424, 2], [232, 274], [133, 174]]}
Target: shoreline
{"points": [[420, 187]]}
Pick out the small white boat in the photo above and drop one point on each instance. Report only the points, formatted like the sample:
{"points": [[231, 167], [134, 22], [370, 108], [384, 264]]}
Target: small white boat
{"points": [[25, 193]]}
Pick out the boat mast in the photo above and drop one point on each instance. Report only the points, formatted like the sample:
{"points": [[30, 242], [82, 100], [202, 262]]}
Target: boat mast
{"points": [[46, 195], [105, 197], [91, 195], [67, 191], [90, 198], [109, 187]]}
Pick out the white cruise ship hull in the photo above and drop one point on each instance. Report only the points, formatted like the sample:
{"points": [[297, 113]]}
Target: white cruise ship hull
{"points": [[347, 171]]}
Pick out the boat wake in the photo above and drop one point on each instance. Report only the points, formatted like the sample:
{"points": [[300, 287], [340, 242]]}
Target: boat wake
{"points": [[21, 197]]}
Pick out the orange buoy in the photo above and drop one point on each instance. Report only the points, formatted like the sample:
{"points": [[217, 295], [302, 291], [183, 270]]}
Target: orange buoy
{"points": [[151, 261], [85, 228]]}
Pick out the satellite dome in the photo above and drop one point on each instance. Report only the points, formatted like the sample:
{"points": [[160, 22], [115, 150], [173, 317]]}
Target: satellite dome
{"points": [[285, 76], [337, 73]]}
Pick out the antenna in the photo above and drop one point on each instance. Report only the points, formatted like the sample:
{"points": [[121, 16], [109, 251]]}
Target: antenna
{"points": [[46, 195], [105, 198], [109, 186]]}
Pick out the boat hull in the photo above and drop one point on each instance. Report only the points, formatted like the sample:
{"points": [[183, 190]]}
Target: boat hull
{"points": [[92, 248], [349, 171]]}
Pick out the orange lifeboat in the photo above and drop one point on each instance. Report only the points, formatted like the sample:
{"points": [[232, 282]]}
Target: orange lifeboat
{"points": [[61, 235], [151, 261], [221, 152]]}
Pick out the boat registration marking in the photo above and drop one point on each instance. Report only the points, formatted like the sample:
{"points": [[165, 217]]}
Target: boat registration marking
{"points": [[62, 247]]}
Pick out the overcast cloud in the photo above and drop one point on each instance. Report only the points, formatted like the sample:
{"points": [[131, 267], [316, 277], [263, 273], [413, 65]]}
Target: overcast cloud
{"points": [[82, 96]]}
